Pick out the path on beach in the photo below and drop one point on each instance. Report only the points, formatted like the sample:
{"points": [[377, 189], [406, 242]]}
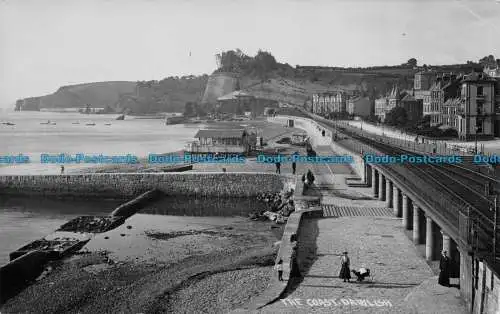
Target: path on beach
{"points": [[402, 281]]}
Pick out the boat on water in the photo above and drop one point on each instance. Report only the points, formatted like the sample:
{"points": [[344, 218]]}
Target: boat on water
{"points": [[90, 124], [48, 122], [175, 120], [120, 117], [75, 123], [107, 124], [8, 123]]}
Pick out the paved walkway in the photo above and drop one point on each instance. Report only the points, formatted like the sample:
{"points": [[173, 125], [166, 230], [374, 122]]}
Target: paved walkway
{"points": [[367, 239], [346, 211], [402, 282]]}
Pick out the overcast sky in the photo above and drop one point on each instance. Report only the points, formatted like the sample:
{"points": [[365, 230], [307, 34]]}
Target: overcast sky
{"points": [[45, 44]]}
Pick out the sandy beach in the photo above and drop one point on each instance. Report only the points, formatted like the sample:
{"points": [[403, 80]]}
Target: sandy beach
{"points": [[156, 270]]}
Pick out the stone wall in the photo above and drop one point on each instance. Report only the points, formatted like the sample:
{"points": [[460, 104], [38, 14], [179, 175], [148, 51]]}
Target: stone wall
{"points": [[487, 293], [314, 131], [128, 185]]}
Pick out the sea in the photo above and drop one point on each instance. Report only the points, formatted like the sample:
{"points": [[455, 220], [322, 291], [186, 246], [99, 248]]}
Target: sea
{"points": [[36, 133], [23, 220]]}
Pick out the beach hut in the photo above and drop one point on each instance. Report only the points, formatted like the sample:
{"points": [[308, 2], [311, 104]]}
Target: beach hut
{"points": [[223, 141]]}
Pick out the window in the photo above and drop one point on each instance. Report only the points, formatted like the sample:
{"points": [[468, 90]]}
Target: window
{"points": [[480, 90], [479, 126], [476, 275], [479, 109]]}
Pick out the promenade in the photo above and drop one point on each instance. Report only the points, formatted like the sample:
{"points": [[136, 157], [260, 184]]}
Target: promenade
{"points": [[401, 282]]}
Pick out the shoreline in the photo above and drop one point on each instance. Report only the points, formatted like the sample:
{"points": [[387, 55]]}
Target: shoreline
{"points": [[240, 251]]}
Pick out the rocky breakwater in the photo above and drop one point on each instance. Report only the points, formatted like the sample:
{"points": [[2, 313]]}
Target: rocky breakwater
{"points": [[126, 185], [277, 207]]}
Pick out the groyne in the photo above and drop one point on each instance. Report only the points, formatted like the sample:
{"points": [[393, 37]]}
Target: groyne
{"points": [[128, 185], [130, 208]]}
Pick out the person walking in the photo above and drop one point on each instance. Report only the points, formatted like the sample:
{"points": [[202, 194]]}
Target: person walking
{"points": [[345, 272], [444, 267], [279, 268], [278, 167], [310, 177], [62, 169], [294, 167], [294, 263]]}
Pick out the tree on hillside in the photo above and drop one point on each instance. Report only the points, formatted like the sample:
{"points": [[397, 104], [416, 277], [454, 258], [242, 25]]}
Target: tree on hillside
{"points": [[189, 109], [200, 110], [412, 62], [488, 61], [397, 117]]}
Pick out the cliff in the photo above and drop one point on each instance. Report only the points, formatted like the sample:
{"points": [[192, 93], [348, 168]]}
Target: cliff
{"points": [[100, 95], [219, 84], [167, 95]]}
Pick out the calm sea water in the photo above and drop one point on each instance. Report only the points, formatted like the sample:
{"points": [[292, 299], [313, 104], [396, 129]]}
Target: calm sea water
{"points": [[132, 136], [23, 220]]}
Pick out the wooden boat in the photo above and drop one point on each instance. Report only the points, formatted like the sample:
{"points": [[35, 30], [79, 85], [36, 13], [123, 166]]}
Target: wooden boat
{"points": [[9, 123], [175, 120], [120, 117], [55, 249], [107, 124], [91, 124], [75, 123], [48, 122]]}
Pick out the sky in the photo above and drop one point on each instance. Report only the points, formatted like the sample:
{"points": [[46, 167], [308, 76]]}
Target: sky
{"points": [[45, 44]]}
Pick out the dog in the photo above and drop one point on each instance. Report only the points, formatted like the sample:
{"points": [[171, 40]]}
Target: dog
{"points": [[362, 273]]}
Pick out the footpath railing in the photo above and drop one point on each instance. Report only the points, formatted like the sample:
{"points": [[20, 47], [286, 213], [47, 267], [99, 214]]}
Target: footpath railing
{"points": [[437, 146], [464, 221]]}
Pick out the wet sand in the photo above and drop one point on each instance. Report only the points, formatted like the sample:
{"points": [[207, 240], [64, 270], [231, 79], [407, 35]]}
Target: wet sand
{"points": [[145, 268], [166, 264]]}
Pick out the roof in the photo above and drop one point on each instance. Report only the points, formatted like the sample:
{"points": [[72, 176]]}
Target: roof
{"points": [[436, 86], [452, 102], [358, 98], [221, 133], [395, 93], [408, 97], [475, 77], [234, 95]]}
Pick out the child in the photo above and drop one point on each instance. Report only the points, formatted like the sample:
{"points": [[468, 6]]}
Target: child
{"points": [[279, 268]]}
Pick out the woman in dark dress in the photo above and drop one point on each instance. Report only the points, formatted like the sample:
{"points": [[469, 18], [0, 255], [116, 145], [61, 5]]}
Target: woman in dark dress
{"points": [[444, 267], [345, 272]]}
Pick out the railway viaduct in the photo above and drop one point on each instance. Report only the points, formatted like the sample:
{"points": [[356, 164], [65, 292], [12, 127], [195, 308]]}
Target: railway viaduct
{"points": [[441, 220]]}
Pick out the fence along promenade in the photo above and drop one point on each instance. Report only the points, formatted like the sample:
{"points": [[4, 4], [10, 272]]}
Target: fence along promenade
{"points": [[470, 225]]}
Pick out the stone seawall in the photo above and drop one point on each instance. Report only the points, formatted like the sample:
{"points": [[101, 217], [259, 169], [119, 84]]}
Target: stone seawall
{"points": [[129, 185], [314, 130]]}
